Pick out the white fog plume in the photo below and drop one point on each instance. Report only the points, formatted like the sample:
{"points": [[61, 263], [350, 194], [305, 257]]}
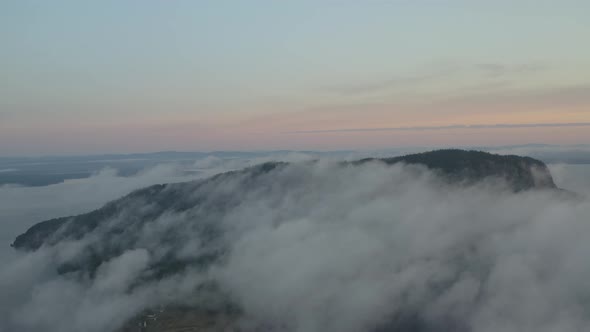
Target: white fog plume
{"points": [[218, 164], [325, 247], [21, 206]]}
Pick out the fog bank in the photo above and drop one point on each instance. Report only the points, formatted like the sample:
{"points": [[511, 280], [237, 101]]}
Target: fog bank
{"points": [[320, 247]]}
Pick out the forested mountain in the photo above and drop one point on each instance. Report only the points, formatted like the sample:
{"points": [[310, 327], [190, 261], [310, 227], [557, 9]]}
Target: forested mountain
{"points": [[192, 227]]}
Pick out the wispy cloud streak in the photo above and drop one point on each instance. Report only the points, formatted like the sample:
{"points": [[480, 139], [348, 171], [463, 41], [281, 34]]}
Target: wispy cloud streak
{"points": [[424, 128]]}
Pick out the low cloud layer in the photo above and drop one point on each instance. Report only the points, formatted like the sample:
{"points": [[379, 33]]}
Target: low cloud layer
{"points": [[320, 247], [21, 207]]}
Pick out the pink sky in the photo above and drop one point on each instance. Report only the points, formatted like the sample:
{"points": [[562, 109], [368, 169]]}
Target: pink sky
{"points": [[117, 77]]}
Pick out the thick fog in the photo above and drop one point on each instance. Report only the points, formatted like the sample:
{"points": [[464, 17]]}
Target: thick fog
{"points": [[321, 247], [21, 207]]}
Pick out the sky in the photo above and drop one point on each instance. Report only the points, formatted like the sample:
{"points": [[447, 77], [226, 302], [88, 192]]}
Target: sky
{"points": [[138, 76]]}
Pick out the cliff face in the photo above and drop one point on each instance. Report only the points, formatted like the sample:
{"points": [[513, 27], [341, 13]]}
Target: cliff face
{"points": [[454, 166]]}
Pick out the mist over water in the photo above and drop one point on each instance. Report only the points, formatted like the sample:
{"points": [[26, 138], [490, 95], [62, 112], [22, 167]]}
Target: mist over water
{"points": [[22, 206], [319, 247], [572, 177]]}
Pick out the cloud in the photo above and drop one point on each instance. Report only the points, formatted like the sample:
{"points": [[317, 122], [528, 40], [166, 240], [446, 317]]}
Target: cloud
{"points": [[499, 69], [578, 154], [444, 71], [398, 82], [569, 96], [21, 206], [574, 177], [422, 128], [323, 247], [219, 164]]}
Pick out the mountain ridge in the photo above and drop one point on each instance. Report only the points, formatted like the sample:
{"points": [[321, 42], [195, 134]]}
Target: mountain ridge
{"points": [[453, 165], [191, 228], [456, 166]]}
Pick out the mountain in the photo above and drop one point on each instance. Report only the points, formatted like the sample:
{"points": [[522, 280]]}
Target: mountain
{"points": [[192, 226], [120, 225], [454, 166], [521, 173]]}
